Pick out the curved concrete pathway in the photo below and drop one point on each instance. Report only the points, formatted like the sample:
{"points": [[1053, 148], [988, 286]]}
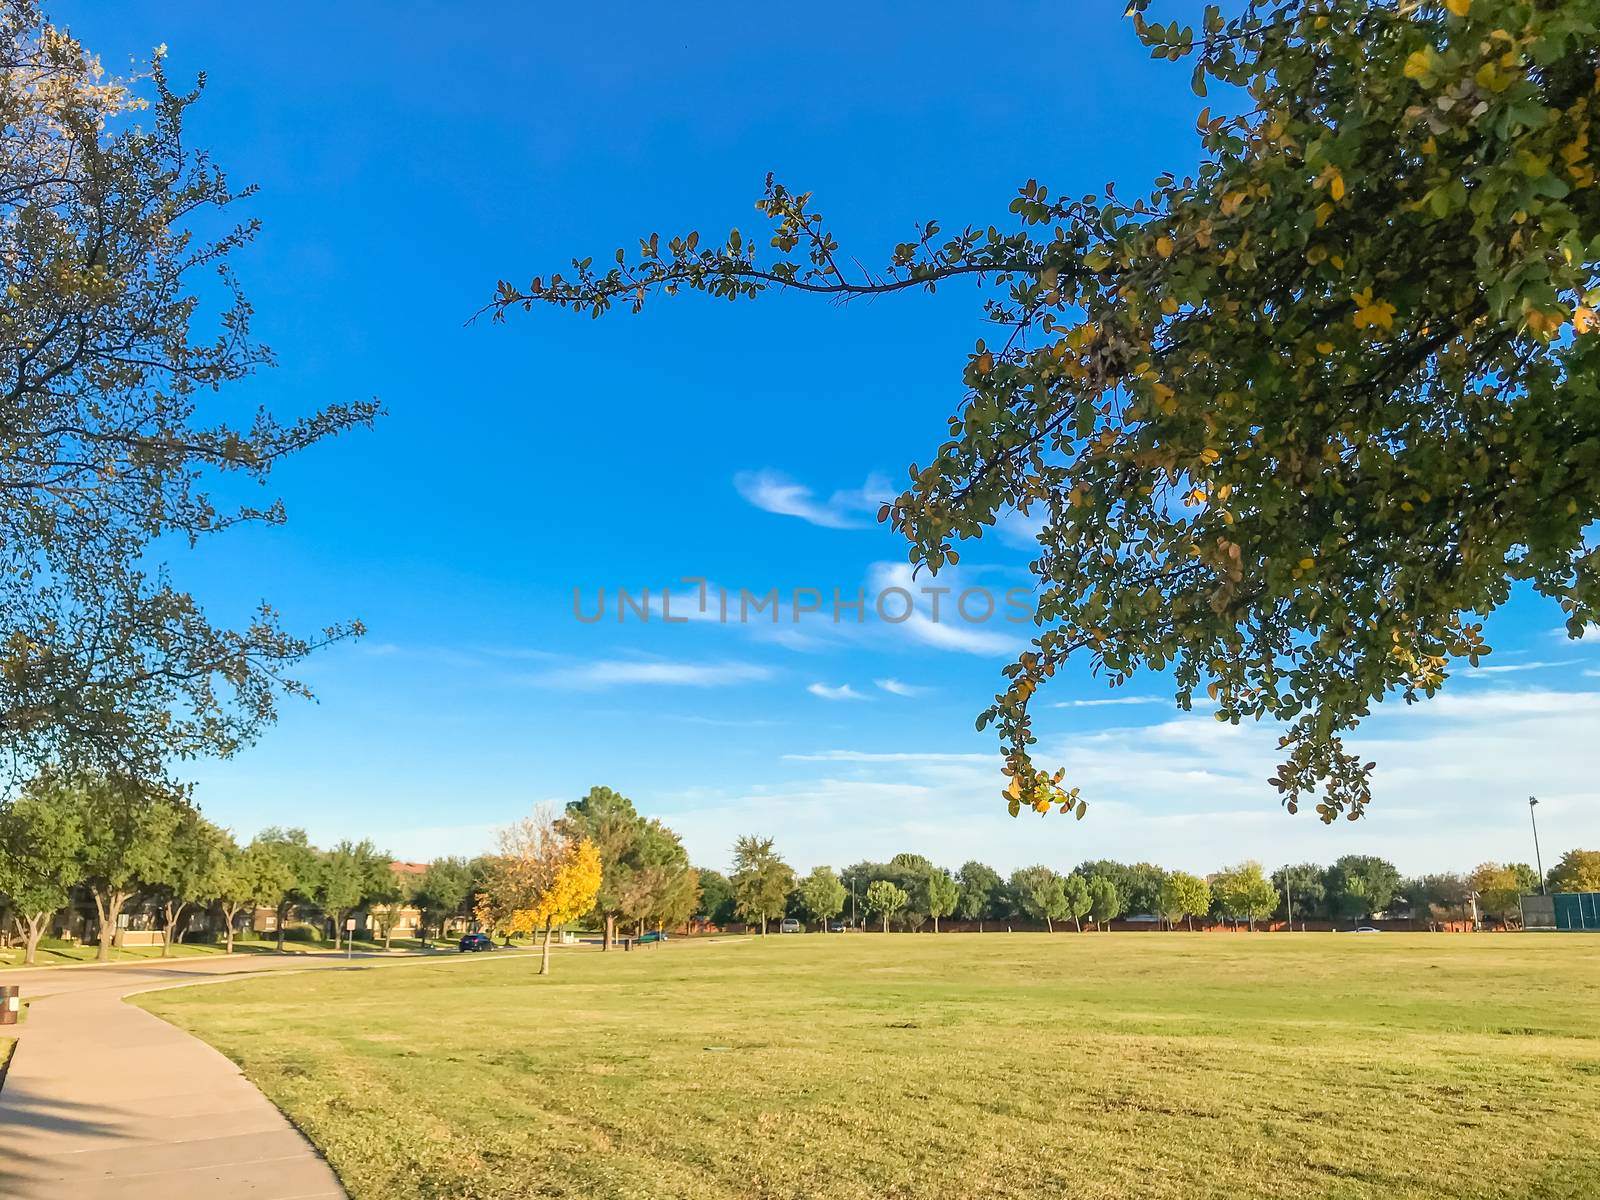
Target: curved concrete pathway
{"points": [[105, 1101]]}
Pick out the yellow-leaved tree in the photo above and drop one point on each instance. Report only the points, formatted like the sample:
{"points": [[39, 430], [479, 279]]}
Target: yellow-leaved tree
{"points": [[539, 879]]}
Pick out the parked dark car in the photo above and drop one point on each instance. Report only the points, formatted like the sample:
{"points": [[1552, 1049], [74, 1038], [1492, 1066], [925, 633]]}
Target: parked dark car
{"points": [[836, 927], [475, 941], [655, 935]]}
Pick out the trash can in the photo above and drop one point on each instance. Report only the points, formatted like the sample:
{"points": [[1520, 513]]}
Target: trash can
{"points": [[10, 1003]]}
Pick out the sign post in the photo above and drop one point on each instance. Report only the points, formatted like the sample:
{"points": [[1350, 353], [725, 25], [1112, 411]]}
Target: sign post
{"points": [[349, 932]]}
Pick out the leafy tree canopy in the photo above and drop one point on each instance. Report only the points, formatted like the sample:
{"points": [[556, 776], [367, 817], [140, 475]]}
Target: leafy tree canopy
{"points": [[716, 897], [1361, 885], [1294, 420], [884, 898], [761, 880], [1577, 871], [982, 892], [822, 894], [108, 360]]}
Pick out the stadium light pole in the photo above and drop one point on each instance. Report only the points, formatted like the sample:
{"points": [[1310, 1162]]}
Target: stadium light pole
{"points": [[1533, 803]]}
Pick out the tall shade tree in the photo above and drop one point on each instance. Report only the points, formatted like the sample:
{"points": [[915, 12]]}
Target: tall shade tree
{"points": [[761, 881], [1444, 896], [540, 878], [716, 897], [1361, 885], [1182, 896], [249, 877], [41, 855], [1576, 871], [884, 898], [1138, 884], [609, 820], [385, 896], [189, 872], [296, 867], [1105, 902], [1075, 895], [116, 234], [941, 892], [1304, 888], [981, 890], [659, 886], [1039, 894], [1245, 893], [1294, 420], [346, 876], [822, 895], [443, 892], [126, 826]]}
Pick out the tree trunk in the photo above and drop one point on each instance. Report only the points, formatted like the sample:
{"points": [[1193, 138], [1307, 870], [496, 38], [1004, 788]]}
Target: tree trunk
{"points": [[35, 931], [108, 906], [886, 922], [610, 934], [544, 957], [228, 916], [1049, 927], [1077, 924], [174, 914], [283, 919], [936, 922]]}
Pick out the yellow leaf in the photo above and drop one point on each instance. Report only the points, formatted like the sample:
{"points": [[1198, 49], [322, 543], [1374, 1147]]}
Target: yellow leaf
{"points": [[1324, 347], [1419, 63], [1459, 7], [1165, 246], [1307, 563], [1336, 187]]}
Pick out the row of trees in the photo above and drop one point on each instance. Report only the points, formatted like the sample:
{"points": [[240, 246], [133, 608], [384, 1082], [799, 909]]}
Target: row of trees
{"points": [[910, 891], [120, 841]]}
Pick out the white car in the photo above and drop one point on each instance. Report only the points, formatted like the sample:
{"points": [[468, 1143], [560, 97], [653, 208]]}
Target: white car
{"points": [[789, 925]]}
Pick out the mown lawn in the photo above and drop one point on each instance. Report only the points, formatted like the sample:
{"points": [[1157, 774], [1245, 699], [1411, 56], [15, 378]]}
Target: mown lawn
{"points": [[66, 956], [997, 1065]]}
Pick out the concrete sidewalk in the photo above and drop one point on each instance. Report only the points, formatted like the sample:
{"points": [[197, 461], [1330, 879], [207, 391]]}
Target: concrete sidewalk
{"points": [[105, 1101]]}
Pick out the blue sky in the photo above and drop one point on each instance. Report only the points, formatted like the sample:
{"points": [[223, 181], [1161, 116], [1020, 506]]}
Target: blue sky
{"points": [[408, 159]]}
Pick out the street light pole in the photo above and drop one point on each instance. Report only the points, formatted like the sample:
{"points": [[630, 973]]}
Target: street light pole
{"points": [[1533, 803]]}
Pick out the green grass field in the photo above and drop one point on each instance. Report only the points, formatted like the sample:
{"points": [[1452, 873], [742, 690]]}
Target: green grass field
{"points": [[66, 956], [1140, 1065]]}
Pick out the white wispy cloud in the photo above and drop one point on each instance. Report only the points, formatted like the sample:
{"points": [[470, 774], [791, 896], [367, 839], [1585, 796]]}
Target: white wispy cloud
{"points": [[843, 692], [1107, 701], [613, 672], [991, 637], [772, 491], [931, 759], [1450, 791], [896, 688], [1507, 668]]}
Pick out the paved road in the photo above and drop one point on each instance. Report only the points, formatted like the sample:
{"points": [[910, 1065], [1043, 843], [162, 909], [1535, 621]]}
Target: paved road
{"points": [[105, 1101]]}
